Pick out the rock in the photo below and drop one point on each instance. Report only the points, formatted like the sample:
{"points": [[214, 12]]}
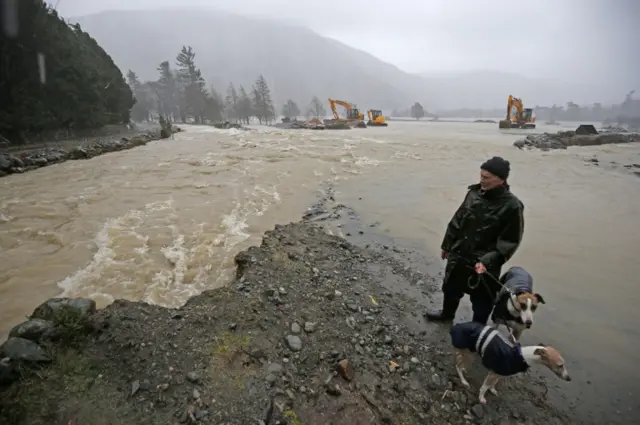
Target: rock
{"points": [[78, 153], [33, 329], [275, 369], [346, 370], [295, 328], [24, 350], [49, 309], [583, 137], [478, 411], [333, 390], [8, 372], [294, 343], [5, 163], [135, 387], [309, 327], [193, 377]]}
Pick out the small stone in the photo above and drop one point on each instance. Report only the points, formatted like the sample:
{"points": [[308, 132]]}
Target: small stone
{"points": [[162, 387], [135, 386], [233, 326], [478, 411], [294, 343], [193, 377], [415, 360], [295, 328], [196, 394], [333, 390], [388, 339], [309, 327], [338, 293], [275, 369], [346, 370], [282, 291], [271, 379]]}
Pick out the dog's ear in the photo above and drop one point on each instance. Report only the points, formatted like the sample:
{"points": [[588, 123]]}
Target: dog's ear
{"points": [[539, 298], [539, 351]]}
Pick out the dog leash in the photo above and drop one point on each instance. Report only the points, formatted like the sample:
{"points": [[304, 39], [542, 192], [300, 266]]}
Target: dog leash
{"points": [[480, 279]]}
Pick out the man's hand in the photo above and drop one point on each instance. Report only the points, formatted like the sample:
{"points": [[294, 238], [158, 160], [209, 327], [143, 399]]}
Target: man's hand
{"points": [[444, 255], [480, 268]]}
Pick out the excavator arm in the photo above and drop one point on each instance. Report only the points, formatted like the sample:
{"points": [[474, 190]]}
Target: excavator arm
{"points": [[352, 112]]}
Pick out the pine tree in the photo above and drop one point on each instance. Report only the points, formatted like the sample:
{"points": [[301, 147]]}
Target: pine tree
{"points": [[290, 109], [232, 104], [262, 103], [142, 107], [245, 106], [193, 94], [316, 108], [167, 92]]}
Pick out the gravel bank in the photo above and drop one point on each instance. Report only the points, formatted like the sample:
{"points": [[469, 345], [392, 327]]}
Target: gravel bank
{"points": [[314, 330]]}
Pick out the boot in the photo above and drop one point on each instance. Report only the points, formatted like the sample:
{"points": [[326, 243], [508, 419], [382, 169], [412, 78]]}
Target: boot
{"points": [[447, 314]]}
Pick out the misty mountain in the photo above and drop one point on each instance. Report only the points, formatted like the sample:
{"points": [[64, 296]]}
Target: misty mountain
{"points": [[296, 62], [299, 63]]}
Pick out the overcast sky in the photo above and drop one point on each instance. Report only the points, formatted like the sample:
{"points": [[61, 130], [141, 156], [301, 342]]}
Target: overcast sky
{"points": [[578, 40]]}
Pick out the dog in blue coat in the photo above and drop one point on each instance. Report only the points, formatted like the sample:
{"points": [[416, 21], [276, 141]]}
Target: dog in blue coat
{"points": [[516, 302], [502, 358]]}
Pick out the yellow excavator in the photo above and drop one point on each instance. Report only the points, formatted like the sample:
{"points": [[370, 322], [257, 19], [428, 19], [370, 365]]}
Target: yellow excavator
{"points": [[517, 115], [353, 114], [376, 118]]}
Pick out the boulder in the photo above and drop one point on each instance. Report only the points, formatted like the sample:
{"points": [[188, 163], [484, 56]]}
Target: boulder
{"points": [[24, 350], [33, 330], [49, 309], [8, 371]]}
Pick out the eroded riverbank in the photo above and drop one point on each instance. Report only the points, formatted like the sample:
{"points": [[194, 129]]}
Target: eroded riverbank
{"points": [[314, 330]]}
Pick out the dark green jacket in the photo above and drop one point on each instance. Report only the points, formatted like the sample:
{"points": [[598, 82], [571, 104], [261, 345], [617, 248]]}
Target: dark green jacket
{"points": [[487, 227]]}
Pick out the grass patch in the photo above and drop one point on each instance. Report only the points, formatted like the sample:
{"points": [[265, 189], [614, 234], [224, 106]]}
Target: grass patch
{"points": [[70, 323], [225, 365]]}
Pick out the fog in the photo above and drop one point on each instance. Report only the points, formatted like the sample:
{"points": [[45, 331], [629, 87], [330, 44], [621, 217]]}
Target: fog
{"points": [[589, 44]]}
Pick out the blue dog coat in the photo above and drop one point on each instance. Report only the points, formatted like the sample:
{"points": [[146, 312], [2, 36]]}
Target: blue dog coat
{"points": [[518, 281], [497, 354]]}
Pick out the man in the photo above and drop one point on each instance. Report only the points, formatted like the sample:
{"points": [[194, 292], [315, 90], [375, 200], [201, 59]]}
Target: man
{"points": [[483, 234]]}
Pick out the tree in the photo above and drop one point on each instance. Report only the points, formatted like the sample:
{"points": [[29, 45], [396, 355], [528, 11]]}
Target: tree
{"points": [[290, 109], [167, 92], [55, 76], [193, 94], [214, 106], [262, 103], [232, 103], [417, 111], [142, 107], [245, 106], [316, 108]]}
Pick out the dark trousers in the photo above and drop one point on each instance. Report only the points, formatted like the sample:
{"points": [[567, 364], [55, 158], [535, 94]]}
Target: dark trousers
{"points": [[460, 280]]}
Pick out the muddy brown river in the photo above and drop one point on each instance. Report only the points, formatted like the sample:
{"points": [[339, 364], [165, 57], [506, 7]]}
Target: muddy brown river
{"points": [[163, 222]]}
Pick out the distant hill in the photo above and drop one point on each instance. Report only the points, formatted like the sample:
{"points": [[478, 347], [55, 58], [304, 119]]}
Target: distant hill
{"points": [[298, 63]]}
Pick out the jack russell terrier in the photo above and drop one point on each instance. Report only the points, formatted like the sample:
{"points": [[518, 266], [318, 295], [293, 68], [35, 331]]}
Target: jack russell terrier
{"points": [[499, 356], [516, 302]]}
